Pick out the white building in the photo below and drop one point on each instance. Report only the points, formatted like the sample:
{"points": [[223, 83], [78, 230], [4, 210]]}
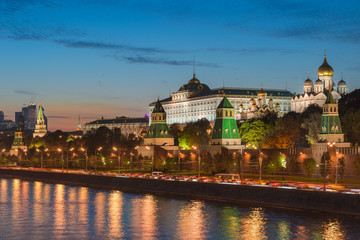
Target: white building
{"points": [[317, 93], [195, 100]]}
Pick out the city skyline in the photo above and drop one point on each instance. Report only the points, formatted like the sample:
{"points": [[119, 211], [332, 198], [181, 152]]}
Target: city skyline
{"points": [[111, 59]]}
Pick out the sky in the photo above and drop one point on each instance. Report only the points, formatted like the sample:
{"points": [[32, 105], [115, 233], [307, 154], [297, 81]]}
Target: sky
{"points": [[108, 58]]}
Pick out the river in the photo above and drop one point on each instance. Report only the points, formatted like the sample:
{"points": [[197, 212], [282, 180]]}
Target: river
{"points": [[36, 210]]}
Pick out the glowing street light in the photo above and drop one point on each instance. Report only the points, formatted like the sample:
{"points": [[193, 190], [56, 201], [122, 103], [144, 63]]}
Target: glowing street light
{"points": [[86, 158], [96, 149], [62, 158]]}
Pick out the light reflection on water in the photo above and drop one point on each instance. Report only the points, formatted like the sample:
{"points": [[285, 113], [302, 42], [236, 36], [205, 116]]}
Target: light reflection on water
{"points": [[35, 210]]}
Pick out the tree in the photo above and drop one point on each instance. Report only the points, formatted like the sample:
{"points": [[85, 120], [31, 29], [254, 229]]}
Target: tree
{"points": [[357, 165], [309, 166], [253, 132], [195, 134], [293, 165], [351, 126], [341, 167], [175, 131], [325, 164], [312, 124]]}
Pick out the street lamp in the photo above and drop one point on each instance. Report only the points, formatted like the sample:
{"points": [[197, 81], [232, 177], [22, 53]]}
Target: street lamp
{"points": [[336, 166], [41, 158], [96, 149], [152, 159], [329, 145], [118, 157], [62, 159], [86, 158], [198, 157], [67, 159]]}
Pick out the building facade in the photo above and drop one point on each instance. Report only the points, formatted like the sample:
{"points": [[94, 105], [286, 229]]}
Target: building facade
{"points": [[195, 100], [136, 126], [316, 93]]}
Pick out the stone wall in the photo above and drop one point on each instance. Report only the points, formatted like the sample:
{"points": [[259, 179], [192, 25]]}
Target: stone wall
{"points": [[263, 196]]}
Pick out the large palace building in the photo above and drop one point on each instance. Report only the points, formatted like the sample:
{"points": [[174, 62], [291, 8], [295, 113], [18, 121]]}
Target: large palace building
{"points": [[317, 93], [195, 100]]}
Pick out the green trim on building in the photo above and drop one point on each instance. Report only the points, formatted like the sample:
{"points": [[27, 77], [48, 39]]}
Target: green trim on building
{"points": [[225, 128], [225, 125], [158, 130]]}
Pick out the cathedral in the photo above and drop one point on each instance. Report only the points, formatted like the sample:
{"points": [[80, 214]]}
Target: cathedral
{"points": [[317, 93]]}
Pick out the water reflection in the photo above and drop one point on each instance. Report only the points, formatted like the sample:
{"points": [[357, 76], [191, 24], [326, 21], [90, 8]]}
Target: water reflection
{"points": [[115, 215], [144, 219], [59, 211], [231, 221], [191, 223], [332, 230], [35, 210], [253, 226], [100, 212]]}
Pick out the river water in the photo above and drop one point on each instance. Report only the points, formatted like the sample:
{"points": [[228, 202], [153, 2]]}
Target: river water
{"points": [[36, 210]]}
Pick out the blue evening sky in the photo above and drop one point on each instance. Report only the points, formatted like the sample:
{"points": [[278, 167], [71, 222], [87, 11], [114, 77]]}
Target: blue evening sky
{"points": [[112, 58]]}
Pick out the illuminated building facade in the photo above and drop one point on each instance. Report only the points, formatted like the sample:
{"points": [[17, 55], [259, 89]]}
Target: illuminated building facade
{"points": [[41, 127], [317, 93], [195, 100], [127, 126]]}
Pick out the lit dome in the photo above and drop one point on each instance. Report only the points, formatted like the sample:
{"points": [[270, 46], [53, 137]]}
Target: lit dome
{"points": [[308, 82], [325, 69], [318, 82], [342, 83]]}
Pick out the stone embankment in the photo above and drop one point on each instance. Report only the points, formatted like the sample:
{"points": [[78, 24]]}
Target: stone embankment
{"points": [[257, 196]]}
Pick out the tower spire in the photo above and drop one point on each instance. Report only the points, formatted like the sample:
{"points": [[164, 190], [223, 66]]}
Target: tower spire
{"points": [[308, 75], [194, 66], [324, 53], [342, 76]]}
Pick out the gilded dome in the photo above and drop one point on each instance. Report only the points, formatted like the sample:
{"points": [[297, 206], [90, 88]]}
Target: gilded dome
{"points": [[325, 69], [194, 85]]}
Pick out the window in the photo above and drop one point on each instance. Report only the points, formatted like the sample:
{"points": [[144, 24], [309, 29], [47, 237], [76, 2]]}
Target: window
{"points": [[226, 130], [234, 130]]}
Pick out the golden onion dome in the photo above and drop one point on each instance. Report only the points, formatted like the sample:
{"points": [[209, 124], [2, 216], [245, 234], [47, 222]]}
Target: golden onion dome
{"points": [[325, 69]]}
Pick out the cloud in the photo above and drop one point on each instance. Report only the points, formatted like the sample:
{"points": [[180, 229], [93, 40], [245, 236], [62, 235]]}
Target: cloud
{"points": [[25, 92], [56, 116], [251, 51], [17, 21], [165, 61], [113, 46]]}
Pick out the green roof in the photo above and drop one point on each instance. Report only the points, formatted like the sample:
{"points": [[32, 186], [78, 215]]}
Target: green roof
{"points": [[330, 99], [158, 130], [225, 103]]}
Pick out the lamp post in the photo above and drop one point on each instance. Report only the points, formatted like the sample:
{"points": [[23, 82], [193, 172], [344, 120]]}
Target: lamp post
{"points": [[67, 159], [152, 159], [336, 166], [118, 157], [86, 158], [41, 158], [329, 145], [96, 149], [240, 168], [62, 159], [178, 167], [199, 159]]}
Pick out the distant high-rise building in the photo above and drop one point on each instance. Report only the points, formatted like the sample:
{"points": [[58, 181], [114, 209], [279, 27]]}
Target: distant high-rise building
{"points": [[2, 116], [29, 114], [17, 115], [5, 124]]}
